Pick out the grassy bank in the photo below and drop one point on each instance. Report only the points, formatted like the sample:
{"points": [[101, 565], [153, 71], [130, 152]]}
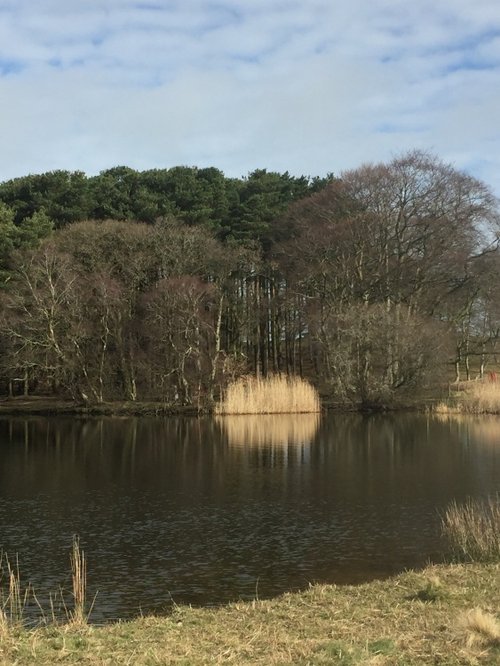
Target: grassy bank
{"points": [[442, 615]]}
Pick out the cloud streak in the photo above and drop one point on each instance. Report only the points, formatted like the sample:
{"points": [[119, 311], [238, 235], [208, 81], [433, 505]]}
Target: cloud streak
{"points": [[306, 87]]}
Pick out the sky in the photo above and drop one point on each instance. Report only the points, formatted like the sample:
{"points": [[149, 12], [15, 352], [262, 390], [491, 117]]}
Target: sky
{"points": [[309, 87]]}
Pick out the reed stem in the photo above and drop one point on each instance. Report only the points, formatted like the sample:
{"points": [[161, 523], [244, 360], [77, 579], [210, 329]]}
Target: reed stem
{"points": [[79, 582]]}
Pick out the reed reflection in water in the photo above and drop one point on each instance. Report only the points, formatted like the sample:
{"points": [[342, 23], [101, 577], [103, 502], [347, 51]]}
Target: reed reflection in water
{"points": [[269, 429], [484, 428]]}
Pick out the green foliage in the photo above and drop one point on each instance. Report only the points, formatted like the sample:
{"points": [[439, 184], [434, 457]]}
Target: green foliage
{"points": [[242, 209], [433, 591], [8, 232], [383, 646], [27, 234], [261, 198], [113, 193], [34, 228], [62, 194], [336, 653]]}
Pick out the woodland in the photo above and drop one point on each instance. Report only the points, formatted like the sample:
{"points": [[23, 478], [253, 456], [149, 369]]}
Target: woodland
{"points": [[166, 285]]}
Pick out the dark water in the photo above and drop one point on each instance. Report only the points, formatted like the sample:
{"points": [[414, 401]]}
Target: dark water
{"points": [[202, 512]]}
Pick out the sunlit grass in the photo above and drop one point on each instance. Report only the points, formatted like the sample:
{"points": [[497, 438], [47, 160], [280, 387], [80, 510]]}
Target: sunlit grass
{"points": [[382, 622], [275, 394]]}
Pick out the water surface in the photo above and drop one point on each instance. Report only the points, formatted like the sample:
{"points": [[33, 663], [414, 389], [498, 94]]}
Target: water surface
{"points": [[204, 511]]}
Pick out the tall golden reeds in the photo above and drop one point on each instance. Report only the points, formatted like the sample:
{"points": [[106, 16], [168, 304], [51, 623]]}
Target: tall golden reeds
{"points": [[482, 398], [477, 397], [13, 600], [275, 394], [472, 529], [79, 583]]}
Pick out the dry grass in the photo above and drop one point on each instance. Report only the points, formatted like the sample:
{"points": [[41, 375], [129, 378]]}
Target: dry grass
{"points": [[269, 429], [275, 394], [476, 397], [473, 530], [481, 627], [445, 408], [384, 623], [482, 398]]}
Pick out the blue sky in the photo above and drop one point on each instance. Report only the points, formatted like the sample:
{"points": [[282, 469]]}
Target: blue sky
{"points": [[309, 87]]}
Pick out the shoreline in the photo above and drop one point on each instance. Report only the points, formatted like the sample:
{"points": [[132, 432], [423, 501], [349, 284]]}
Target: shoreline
{"points": [[443, 614], [48, 406], [45, 406]]}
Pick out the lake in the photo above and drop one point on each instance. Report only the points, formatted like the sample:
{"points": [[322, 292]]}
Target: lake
{"points": [[205, 511]]}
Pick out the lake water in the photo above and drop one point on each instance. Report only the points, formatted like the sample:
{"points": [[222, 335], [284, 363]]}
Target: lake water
{"points": [[204, 511]]}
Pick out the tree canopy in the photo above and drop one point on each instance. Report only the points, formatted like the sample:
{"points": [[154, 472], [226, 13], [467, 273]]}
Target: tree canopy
{"points": [[167, 284], [233, 208]]}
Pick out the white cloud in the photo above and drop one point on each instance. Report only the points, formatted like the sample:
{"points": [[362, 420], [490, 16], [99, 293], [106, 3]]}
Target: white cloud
{"points": [[309, 87]]}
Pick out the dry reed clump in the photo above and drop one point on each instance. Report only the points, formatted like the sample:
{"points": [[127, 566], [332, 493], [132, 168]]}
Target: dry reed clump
{"points": [[477, 397], [481, 627], [482, 398], [12, 600], [78, 615], [445, 408], [473, 529], [275, 394]]}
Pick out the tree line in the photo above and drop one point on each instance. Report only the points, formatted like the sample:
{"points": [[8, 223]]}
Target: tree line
{"points": [[168, 284], [240, 208]]}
